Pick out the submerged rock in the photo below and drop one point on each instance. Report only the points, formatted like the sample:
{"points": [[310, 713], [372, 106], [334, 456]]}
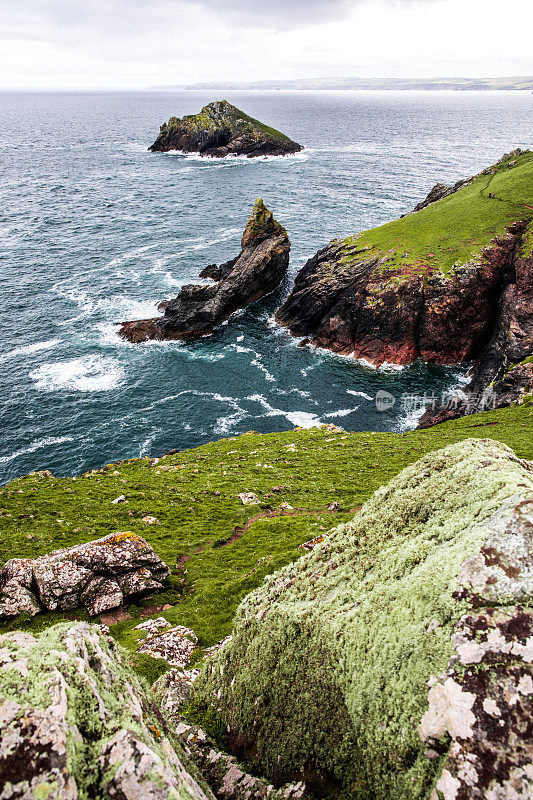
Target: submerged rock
{"points": [[221, 129], [197, 310], [98, 575], [395, 659], [75, 722]]}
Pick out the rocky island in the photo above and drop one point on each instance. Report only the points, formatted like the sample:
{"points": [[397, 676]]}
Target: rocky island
{"points": [[450, 282], [221, 129], [198, 309]]}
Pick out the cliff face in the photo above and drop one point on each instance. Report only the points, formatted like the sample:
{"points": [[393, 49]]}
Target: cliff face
{"points": [[504, 369], [430, 585], [399, 292], [221, 129], [399, 314], [198, 309]]}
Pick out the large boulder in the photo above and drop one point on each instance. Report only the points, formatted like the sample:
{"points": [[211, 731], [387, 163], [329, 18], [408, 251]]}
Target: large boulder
{"points": [[199, 309], [221, 129], [75, 723], [394, 661], [98, 575]]}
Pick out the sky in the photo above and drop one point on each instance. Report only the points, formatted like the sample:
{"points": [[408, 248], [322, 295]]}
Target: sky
{"points": [[136, 44]]}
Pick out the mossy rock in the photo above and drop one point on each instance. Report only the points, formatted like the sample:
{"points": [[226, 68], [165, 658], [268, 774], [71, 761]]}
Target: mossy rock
{"points": [[76, 724], [327, 672]]}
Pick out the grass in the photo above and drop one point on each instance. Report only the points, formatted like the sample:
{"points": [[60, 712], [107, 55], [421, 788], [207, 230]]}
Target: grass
{"points": [[211, 118], [193, 494], [458, 227]]}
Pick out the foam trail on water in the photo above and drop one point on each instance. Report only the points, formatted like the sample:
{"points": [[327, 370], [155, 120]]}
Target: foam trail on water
{"points": [[88, 374], [302, 419], [30, 348], [342, 412], [48, 442], [359, 394]]}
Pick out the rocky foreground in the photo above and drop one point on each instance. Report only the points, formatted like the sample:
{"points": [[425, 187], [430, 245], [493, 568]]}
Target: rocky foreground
{"points": [[221, 129], [451, 282], [394, 661], [199, 309]]}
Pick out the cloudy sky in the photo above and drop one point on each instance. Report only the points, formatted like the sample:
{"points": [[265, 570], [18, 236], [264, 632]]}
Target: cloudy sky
{"points": [[140, 43]]}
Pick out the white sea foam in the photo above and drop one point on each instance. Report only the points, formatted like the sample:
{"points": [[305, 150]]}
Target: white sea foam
{"points": [[37, 445], [231, 158], [359, 394], [255, 362], [88, 374], [30, 348], [342, 412], [302, 419]]}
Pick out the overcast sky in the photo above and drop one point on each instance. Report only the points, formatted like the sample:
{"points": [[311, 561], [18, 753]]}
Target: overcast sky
{"points": [[141, 43]]}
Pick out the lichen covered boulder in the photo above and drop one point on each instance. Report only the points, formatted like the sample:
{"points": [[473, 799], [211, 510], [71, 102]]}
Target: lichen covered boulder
{"points": [[395, 659], [221, 129], [98, 575], [75, 724]]}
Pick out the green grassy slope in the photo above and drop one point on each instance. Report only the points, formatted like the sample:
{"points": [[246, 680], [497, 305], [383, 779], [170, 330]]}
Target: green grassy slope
{"points": [[456, 228], [193, 494]]}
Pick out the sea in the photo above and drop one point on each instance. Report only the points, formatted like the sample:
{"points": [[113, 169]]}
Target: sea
{"points": [[95, 229]]}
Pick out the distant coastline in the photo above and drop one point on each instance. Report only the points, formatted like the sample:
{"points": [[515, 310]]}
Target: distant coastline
{"points": [[376, 84]]}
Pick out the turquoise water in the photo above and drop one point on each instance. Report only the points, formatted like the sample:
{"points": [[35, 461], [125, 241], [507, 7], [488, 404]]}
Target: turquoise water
{"points": [[94, 230]]}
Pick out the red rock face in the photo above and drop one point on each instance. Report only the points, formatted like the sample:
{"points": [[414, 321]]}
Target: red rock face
{"points": [[398, 316]]}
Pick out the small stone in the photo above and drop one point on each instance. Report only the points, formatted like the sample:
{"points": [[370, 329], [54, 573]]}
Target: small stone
{"points": [[119, 499], [248, 498]]}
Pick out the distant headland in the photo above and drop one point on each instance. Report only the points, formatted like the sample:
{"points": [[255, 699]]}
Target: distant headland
{"points": [[524, 83]]}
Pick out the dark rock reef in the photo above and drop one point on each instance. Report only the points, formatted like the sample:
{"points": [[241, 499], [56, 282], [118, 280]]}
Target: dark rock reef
{"points": [[221, 129], [198, 310], [97, 575]]}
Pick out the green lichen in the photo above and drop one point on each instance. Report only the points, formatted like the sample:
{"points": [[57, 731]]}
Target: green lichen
{"points": [[330, 659], [98, 703]]}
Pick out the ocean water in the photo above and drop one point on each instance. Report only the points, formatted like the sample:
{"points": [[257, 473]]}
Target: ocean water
{"points": [[94, 229]]}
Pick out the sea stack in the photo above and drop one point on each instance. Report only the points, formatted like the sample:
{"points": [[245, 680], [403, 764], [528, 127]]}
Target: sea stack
{"points": [[199, 309], [221, 129]]}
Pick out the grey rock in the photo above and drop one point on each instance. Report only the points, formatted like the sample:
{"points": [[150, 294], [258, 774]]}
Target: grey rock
{"points": [[350, 645], [199, 309], [75, 722], [98, 574]]}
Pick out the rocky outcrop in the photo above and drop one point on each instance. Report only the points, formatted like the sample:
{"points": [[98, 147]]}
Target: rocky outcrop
{"points": [[198, 310], [366, 298], [503, 372], [398, 315], [98, 575], [75, 722], [395, 659], [219, 130]]}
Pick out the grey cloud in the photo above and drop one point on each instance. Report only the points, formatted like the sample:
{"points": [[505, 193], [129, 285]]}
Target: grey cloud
{"points": [[290, 13]]}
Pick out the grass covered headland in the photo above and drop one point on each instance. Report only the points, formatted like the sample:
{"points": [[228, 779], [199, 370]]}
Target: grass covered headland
{"points": [[458, 226], [218, 549]]}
